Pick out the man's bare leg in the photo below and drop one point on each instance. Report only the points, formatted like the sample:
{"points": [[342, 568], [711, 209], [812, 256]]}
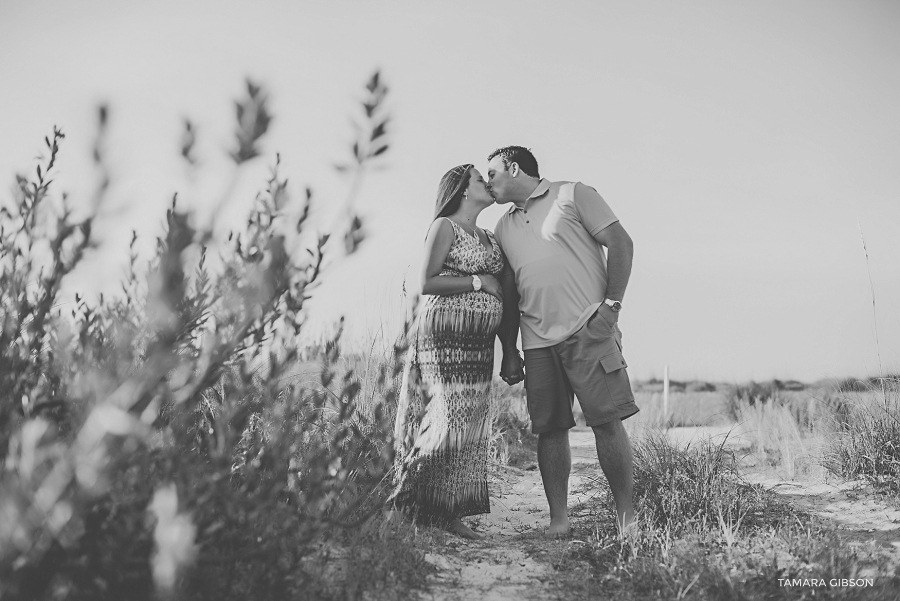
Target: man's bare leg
{"points": [[614, 453], [555, 463]]}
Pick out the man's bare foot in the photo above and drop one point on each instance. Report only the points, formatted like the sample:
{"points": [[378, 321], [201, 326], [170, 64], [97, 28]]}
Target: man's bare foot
{"points": [[628, 526], [558, 527], [459, 529]]}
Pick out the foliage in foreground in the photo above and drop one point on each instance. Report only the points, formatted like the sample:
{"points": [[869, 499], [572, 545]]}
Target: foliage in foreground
{"points": [[156, 443]]}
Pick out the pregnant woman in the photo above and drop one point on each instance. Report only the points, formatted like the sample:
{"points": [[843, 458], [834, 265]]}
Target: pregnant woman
{"points": [[443, 425]]}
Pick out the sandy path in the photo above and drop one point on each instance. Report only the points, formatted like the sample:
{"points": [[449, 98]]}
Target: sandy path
{"points": [[851, 505], [499, 567]]}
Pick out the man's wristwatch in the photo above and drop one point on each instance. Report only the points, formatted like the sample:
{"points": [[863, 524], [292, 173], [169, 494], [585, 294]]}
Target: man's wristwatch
{"points": [[613, 304], [476, 283]]}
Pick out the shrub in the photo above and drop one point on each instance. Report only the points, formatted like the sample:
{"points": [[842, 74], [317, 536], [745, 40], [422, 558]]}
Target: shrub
{"points": [[777, 391], [865, 442], [775, 432], [852, 385], [677, 487], [750, 393], [156, 442], [698, 386]]}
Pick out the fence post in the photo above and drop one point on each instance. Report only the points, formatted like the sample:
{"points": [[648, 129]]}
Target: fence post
{"points": [[666, 394]]}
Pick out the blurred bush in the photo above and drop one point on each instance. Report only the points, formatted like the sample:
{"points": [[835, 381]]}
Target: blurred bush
{"points": [[512, 442], [156, 443]]}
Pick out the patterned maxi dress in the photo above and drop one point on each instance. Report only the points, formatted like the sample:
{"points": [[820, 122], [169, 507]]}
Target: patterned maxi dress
{"points": [[443, 425]]}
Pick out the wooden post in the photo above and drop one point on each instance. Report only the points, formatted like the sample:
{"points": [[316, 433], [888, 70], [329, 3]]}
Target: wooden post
{"points": [[666, 395]]}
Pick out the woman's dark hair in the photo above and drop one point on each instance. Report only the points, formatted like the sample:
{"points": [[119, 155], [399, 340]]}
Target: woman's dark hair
{"points": [[451, 189], [520, 155]]}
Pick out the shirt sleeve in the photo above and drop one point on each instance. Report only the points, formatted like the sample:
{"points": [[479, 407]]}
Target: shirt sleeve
{"points": [[593, 211]]}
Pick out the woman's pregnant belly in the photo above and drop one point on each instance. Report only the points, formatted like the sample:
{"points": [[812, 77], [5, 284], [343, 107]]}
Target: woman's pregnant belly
{"points": [[470, 312]]}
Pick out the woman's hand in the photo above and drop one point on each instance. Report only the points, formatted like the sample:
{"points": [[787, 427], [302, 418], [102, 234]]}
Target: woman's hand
{"points": [[491, 285]]}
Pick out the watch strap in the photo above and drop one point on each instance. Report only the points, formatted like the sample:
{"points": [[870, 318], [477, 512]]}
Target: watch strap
{"points": [[613, 304]]}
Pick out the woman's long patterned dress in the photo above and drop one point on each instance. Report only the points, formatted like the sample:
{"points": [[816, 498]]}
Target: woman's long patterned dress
{"points": [[443, 423]]}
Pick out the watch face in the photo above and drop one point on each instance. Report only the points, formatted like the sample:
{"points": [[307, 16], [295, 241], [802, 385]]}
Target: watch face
{"points": [[616, 306]]}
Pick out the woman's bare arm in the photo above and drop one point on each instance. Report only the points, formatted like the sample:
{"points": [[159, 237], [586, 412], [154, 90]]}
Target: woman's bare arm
{"points": [[511, 367], [437, 245]]}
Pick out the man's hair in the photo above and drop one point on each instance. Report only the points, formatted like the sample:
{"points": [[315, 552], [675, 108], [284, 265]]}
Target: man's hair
{"points": [[520, 155]]}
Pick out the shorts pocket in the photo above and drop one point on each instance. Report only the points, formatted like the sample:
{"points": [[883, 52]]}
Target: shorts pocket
{"points": [[613, 362], [604, 320], [601, 328]]}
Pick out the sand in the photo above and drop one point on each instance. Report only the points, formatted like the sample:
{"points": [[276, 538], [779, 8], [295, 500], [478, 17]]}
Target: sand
{"points": [[501, 568]]}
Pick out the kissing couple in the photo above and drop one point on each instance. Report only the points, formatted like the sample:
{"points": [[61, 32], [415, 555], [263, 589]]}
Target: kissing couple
{"points": [[555, 268]]}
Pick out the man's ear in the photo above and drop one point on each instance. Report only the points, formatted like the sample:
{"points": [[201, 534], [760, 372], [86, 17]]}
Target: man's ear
{"points": [[514, 169]]}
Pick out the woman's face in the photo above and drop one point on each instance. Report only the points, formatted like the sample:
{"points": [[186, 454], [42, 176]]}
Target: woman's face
{"points": [[478, 190]]}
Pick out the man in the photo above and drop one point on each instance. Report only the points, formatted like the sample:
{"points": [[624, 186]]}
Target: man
{"points": [[569, 294]]}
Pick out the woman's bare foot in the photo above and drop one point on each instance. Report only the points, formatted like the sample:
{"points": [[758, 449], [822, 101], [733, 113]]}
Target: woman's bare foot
{"points": [[393, 516], [458, 528], [558, 527]]}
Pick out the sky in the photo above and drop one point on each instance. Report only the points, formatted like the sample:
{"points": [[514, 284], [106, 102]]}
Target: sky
{"points": [[747, 147]]}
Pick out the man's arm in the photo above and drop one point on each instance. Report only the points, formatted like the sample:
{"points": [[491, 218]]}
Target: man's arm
{"points": [[511, 367], [597, 218], [619, 257]]}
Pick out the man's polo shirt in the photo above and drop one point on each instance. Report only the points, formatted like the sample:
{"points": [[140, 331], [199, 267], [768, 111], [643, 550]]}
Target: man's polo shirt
{"points": [[560, 269]]}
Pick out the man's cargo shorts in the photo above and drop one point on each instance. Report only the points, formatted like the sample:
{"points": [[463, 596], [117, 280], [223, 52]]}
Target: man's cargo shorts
{"points": [[589, 364]]}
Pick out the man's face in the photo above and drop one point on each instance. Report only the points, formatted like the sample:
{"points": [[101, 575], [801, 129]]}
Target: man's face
{"points": [[499, 180]]}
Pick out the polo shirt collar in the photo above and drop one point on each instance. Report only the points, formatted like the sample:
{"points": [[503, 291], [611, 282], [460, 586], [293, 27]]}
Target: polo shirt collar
{"points": [[541, 189]]}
